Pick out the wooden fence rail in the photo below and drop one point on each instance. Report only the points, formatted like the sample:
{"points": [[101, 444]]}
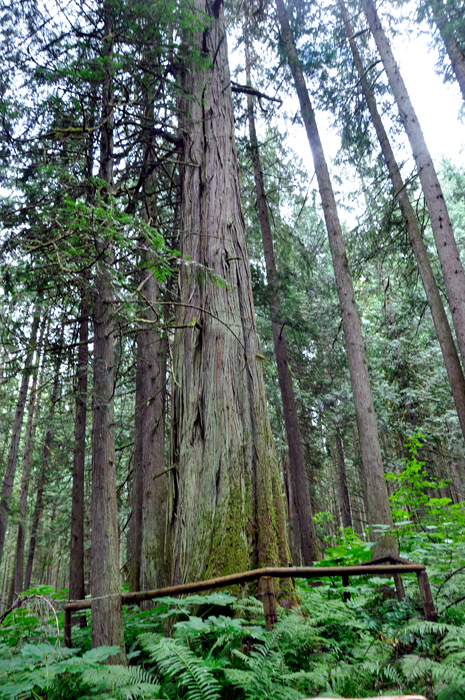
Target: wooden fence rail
{"points": [[266, 575]]}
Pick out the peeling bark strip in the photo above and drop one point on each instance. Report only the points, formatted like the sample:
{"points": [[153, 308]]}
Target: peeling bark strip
{"points": [[379, 511], [439, 316], [227, 510], [446, 245]]}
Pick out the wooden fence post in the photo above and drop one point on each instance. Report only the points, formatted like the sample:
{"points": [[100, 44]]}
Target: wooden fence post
{"points": [[399, 586], [345, 582], [426, 596], [67, 627], [269, 602]]}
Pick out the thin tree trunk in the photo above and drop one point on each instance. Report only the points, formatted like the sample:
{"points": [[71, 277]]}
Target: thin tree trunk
{"points": [[135, 523], [446, 245], [227, 506], [8, 480], [150, 565], [441, 323], [379, 512], [304, 534], [33, 411], [107, 620], [42, 477], [6, 572], [342, 488], [76, 555], [454, 52], [77, 538]]}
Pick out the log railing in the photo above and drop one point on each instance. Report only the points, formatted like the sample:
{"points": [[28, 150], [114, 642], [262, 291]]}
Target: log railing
{"points": [[383, 566]]}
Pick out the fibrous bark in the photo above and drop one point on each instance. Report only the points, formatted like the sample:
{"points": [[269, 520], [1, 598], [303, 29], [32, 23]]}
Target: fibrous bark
{"points": [[377, 495], [227, 509], [446, 245], [303, 534]]}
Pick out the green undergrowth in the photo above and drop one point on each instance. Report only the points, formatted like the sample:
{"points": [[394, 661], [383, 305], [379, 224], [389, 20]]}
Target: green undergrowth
{"points": [[218, 646]]}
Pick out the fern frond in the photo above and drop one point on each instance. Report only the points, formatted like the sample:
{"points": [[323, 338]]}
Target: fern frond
{"points": [[177, 662], [120, 682]]}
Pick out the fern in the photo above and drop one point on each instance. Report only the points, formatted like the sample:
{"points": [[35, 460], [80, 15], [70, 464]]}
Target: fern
{"points": [[177, 662], [266, 674], [120, 683]]}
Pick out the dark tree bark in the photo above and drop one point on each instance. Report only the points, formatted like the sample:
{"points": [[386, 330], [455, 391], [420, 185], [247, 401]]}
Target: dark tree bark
{"points": [[441, 323], [8, 479], [227, 509], [342, 488], [106, 619], [377, 495], [150, 565], [446, 245], [76, 556], [304, 534], [150, 552]]}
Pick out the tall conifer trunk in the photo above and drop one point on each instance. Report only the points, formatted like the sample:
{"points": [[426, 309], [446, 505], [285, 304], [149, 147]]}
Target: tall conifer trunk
{"points": [[304, 534], [149, 564], [76, 556], [446, 245], [107, 621], [377, 495], [227, 505], [441, 323]]}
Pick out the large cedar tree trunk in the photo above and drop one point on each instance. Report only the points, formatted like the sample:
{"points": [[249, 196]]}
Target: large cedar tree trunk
{"points": [[377, 495], [446, 245], [304, 534], [227, 509]]}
